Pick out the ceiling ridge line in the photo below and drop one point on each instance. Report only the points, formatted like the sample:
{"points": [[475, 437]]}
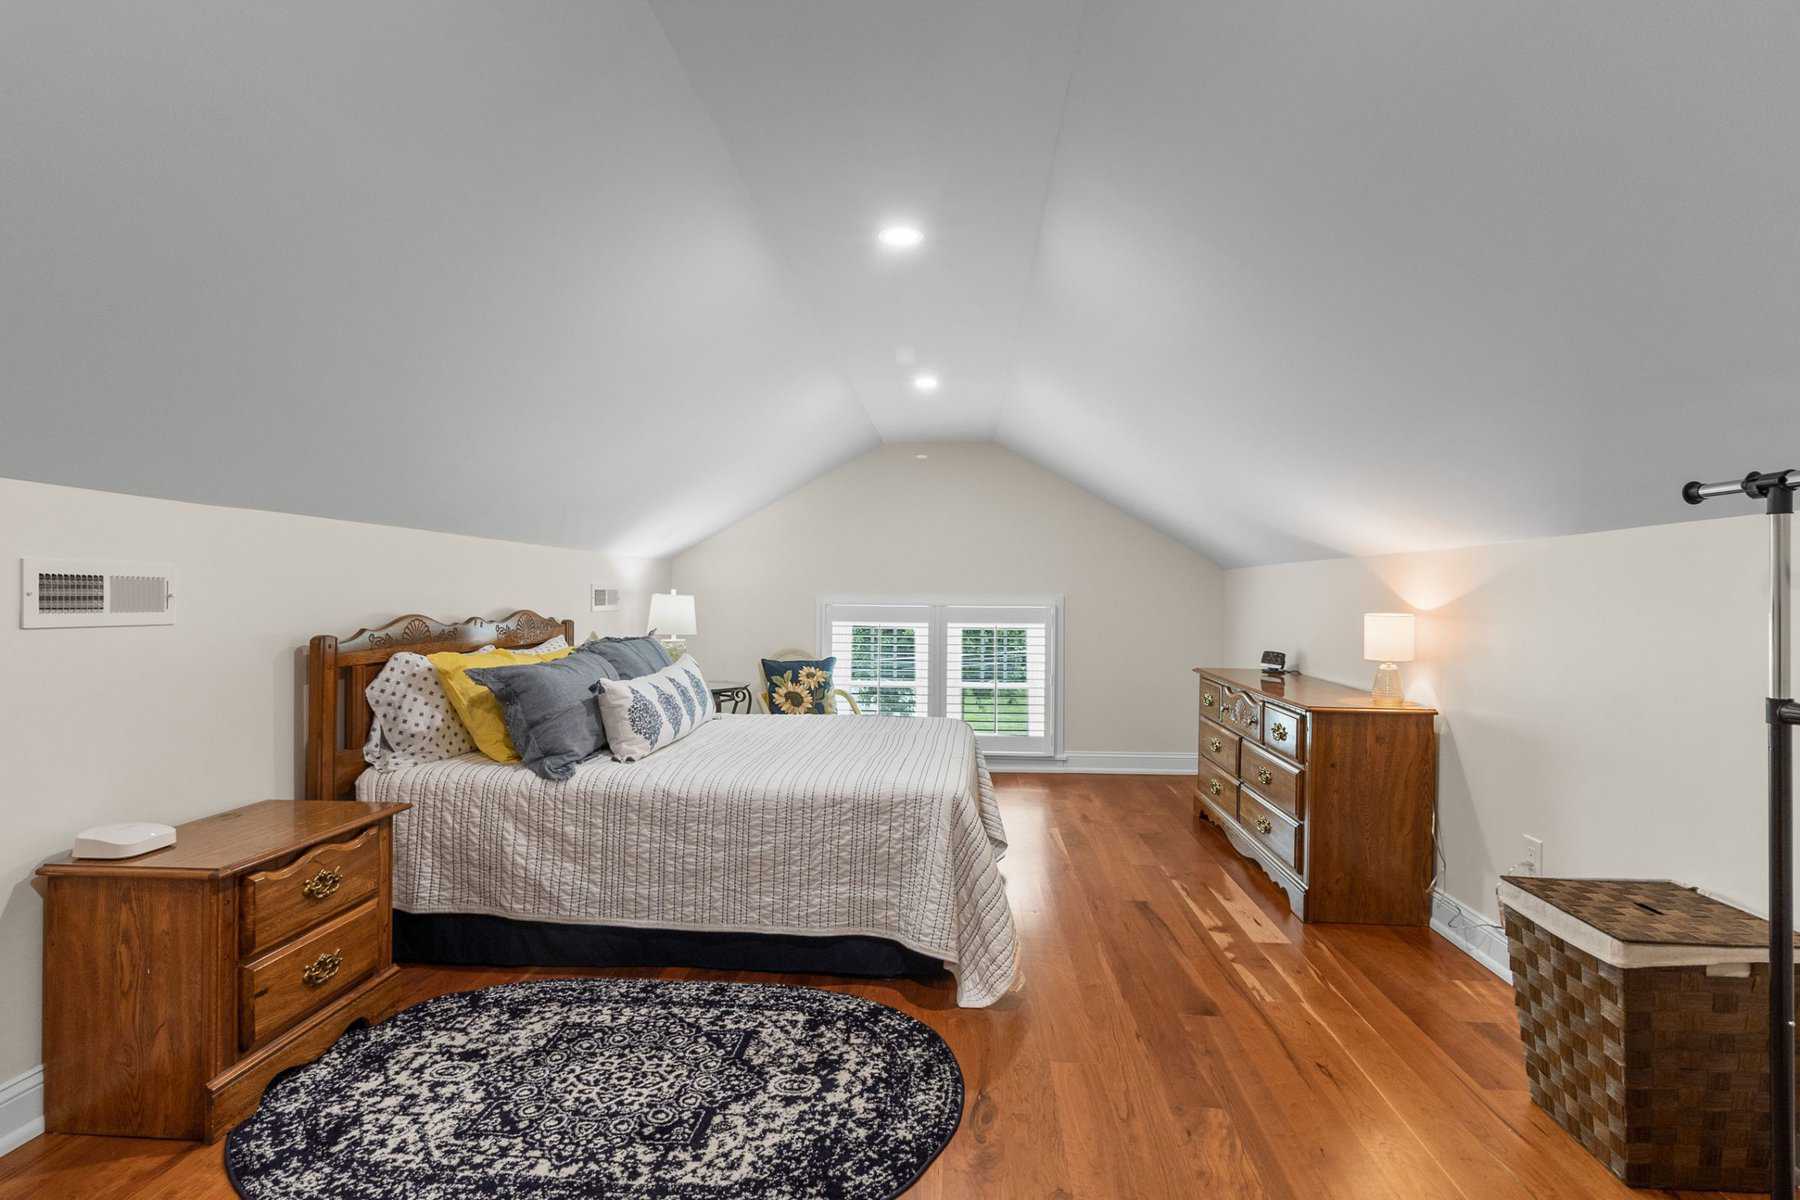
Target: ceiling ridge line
{"points": [[1037, 241], [795, 294]]}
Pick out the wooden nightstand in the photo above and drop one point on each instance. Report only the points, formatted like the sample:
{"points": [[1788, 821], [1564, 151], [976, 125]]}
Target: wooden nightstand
{"points": [[179, 982]]}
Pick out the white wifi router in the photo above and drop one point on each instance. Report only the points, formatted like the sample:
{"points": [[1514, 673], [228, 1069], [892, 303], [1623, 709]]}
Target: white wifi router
{"points": [[123, 841]]}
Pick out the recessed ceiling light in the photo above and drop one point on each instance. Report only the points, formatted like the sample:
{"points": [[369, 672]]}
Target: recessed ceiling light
{"points": [[925, 382], [921, 456], [900, 237]]}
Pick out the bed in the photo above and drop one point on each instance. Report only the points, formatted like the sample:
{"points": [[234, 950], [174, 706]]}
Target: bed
{"points": [[861, 845]]}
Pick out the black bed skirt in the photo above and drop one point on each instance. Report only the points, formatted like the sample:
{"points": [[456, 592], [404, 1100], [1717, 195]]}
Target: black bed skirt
{"points": [[471, 940]]}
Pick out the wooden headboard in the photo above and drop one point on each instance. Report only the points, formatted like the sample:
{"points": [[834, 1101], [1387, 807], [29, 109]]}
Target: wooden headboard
{"points": [[339, 671]]}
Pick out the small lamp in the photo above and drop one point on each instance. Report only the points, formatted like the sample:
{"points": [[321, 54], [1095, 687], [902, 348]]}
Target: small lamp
{"points": [[671, 620], [1388, 639]]}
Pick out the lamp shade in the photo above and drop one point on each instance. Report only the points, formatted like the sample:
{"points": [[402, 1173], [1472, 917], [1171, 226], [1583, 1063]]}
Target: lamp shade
{"points": [[1388, 637], [672, 615]]}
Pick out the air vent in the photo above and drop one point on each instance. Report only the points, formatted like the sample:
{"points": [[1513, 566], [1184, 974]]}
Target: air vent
{"points": [[67, 592], [605, 599], [60, 593]]}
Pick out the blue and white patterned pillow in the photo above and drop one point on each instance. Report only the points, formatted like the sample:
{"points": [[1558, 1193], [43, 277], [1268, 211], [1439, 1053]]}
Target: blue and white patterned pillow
{"points": [[653, 711]]}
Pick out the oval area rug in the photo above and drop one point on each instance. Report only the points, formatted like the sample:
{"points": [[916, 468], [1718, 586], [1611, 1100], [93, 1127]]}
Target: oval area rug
{"points": [[629, 1089]]}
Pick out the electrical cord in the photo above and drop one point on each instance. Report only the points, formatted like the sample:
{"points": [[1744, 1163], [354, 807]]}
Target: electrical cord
{"points": [[1459, 921]]}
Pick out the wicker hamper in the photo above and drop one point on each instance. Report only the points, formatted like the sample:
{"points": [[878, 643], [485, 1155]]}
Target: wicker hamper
{"points": [[1644, 1009]]}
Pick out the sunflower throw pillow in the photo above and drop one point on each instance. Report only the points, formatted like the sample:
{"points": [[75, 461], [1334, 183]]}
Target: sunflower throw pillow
{"points": [[800, 685]]}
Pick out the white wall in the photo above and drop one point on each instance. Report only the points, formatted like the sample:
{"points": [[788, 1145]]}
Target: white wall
{"points": [[973, 519], [1600, 691], [170, 723]]}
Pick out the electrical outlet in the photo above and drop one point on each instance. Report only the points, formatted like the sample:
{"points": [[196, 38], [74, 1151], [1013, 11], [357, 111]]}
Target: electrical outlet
{"points": [[1533, 863]]}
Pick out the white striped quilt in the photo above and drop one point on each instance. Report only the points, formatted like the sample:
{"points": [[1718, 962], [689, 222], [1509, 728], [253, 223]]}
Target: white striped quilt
{"points": [[824, 826]]}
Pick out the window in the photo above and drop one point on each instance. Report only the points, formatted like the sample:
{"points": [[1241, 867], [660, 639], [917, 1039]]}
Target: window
{"points": [[883, 656], [996, 666], [995, 675]]}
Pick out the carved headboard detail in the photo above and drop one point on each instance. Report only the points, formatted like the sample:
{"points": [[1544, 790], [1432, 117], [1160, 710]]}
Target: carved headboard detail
{"points": [[339, 671]]}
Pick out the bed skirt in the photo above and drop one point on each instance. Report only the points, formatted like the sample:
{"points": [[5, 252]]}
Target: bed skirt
{"points": [[461, 939]]}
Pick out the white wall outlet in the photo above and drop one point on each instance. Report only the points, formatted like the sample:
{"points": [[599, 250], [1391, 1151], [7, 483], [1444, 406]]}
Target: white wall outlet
{"points": [[1533, 863]]}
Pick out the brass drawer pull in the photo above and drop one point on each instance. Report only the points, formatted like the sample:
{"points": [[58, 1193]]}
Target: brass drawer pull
{"points": [[1215, 745], [1278, 731], [322, 884], [1263, 825], [323, 968], [1206, 699], [1213, 786], [1263, 777]]}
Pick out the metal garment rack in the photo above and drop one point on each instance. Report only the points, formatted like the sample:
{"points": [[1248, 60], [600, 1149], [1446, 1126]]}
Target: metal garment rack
{"points": [[1776, 490]]}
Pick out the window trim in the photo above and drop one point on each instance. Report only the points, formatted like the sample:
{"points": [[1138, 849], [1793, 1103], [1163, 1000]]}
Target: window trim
{"points": [[937, 690]]}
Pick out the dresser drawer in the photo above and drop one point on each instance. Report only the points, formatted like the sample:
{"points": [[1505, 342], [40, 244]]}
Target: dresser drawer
{"points": [[284, 986], [1220, 745], [325, 881], [1240, 710], [1218, 786], [1284, 732], [1270, 826], [1275, 779], [1211, 695]]}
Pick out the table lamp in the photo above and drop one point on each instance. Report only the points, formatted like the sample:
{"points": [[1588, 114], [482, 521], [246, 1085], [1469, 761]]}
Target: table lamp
{"points": [[1388, 639], [671, 620]]}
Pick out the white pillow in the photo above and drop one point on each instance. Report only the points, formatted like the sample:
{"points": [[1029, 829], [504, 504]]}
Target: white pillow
{"points": [[653, 711], [413, 721], [559, 642]]}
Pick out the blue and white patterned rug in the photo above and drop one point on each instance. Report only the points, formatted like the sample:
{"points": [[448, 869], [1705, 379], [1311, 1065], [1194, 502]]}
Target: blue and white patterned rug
{"points": [[628, 1089]]}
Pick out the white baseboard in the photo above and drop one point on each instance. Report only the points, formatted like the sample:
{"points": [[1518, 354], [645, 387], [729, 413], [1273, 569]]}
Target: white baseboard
{"points": [[21, 1109], [1471, 933], [1098, 762]]}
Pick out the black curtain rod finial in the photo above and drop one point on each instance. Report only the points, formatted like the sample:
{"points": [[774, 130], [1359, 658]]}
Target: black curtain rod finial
{"points": [[1777, 487]]}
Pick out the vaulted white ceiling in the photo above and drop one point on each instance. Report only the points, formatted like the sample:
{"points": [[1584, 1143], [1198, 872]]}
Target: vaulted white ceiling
{"points": [[482, 267], [1285, 279], [843, 117]]}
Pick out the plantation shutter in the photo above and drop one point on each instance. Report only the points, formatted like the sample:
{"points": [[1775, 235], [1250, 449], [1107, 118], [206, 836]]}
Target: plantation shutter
{"points": [[991, 665], [998, 664], [883, 656]]}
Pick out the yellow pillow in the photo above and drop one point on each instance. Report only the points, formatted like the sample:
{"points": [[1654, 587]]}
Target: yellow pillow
{"points": [[474, 704]]}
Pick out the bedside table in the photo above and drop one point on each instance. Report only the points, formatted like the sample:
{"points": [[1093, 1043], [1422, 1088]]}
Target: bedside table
{"points": [[177, 984]]}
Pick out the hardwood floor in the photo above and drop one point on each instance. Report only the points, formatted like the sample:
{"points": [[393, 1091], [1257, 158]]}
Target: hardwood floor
{"points": [[1179, 1035]]}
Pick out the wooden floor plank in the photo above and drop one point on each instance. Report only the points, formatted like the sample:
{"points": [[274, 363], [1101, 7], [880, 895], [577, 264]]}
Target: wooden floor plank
{"points": [[1179, 1035]]}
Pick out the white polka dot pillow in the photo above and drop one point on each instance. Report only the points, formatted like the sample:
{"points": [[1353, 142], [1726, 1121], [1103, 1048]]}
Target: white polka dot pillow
{"points": [[559, 642], [414, 722]]}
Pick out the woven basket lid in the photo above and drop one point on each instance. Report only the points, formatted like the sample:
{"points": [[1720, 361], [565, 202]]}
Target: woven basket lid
{"points": [[1642, 913]]}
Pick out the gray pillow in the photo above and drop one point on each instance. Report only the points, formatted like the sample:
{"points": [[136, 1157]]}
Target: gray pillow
{"points": [[631, 657], [549, 709]]}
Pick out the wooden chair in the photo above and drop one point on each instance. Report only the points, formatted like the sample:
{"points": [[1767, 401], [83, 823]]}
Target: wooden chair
{"points": [[788, 655]]}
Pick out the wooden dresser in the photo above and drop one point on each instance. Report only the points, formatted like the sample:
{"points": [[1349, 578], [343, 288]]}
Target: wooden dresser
{"points": [[179, 982], [1331, 792]]}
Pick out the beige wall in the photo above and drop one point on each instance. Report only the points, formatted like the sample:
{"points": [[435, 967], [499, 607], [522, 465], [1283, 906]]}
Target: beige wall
{"points": [[167, 723], [973, 520], [1601, 692]]}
